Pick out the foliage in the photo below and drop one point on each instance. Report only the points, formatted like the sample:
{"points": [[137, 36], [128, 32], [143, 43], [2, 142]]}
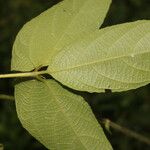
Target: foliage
{"points": [[111, 58], [57, 118]]}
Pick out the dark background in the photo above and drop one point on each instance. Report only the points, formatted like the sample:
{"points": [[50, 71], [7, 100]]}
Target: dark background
{"points": [[130, 109]]}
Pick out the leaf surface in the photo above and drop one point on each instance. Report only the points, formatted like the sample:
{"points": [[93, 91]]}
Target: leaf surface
{"points": [[58, 118], [116, 58], [47, 34]]}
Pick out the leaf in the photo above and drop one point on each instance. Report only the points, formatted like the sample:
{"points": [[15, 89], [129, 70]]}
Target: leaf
{"points": [[116, 58], [44, 36], [57, 118]]}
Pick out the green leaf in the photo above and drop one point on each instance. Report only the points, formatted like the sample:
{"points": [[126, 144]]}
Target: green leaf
{"points": [[116, 58], [47, 34], [57, 118]]}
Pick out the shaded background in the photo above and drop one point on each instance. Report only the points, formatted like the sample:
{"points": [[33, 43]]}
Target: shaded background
{"points": [[130, 109]]}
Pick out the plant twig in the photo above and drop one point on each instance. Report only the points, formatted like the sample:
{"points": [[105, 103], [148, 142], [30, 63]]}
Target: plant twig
{"points": [[7, 97], [126, 131], [25, 74]]}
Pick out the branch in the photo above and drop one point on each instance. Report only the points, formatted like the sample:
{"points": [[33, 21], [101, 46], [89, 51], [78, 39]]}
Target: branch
{"points": [[7, 97], [25, 74], [126, 131]]}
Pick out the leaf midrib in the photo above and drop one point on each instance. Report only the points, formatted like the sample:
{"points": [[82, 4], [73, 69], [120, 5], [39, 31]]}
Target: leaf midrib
{"points": [[96, 62], [66, 116]]}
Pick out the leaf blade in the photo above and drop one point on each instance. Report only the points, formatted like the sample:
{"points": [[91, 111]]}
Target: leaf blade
{"points": [[58, 118], [111, 58], [44, 36]]}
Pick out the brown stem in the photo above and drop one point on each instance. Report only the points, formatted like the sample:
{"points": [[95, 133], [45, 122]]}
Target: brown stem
{"points": [[126, 131]]}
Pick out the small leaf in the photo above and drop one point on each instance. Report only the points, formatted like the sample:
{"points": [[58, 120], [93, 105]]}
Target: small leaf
{"points": [[57, 118], [116, 58], [44, 36]]}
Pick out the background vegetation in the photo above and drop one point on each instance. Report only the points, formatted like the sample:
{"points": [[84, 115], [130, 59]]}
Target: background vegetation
{"points": [[130, 109]]}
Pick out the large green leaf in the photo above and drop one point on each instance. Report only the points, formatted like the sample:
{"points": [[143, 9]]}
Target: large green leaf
{"points": [[57, 118], [116, 58], [57, 27]]}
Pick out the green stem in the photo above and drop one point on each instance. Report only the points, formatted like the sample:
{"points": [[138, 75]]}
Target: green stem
{"points": [[126, 131], [25, 74], [6, 97]]}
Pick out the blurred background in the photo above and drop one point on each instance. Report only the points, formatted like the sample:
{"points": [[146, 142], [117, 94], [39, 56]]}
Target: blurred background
{"points": [[130, 109]]}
